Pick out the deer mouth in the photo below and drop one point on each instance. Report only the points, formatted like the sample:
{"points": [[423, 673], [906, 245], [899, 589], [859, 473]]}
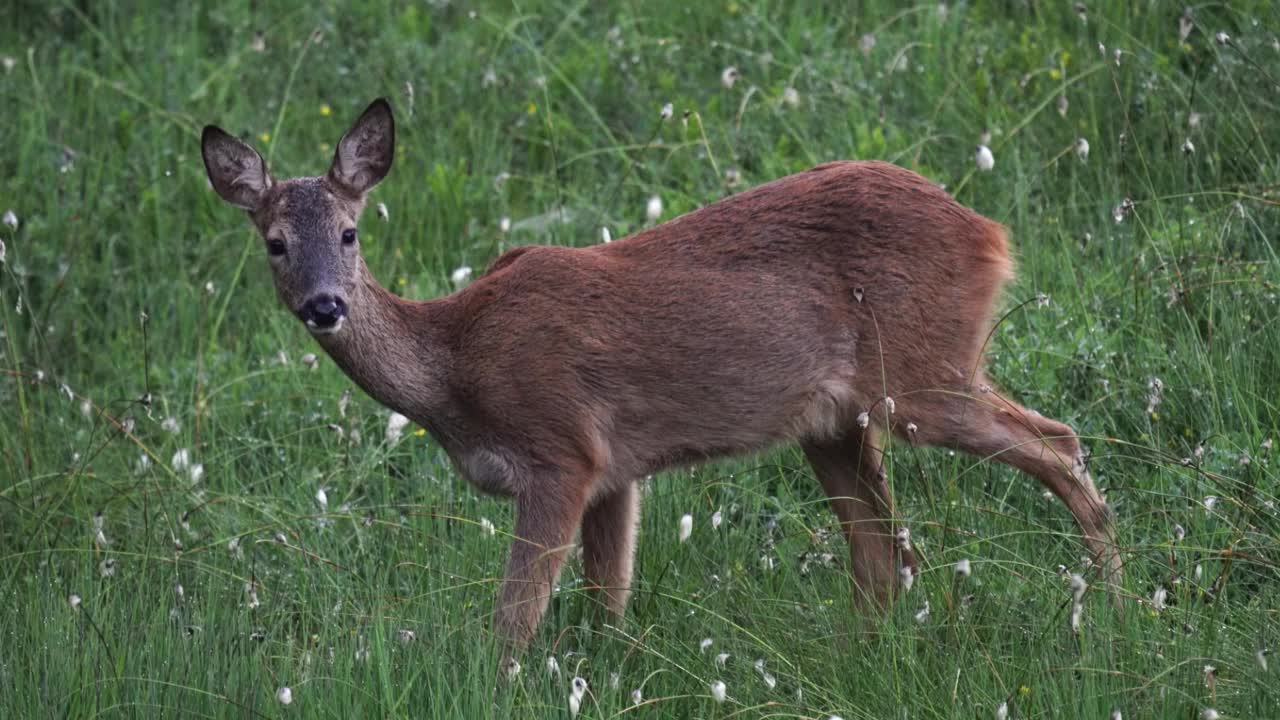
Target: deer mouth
{"points": [[319, 330]]}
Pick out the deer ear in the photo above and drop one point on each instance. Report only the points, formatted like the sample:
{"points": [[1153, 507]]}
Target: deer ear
{"points": [[365, 152], [236, 170]]}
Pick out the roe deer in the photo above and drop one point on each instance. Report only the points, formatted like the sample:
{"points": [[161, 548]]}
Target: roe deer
{"points": [[789, 312]]}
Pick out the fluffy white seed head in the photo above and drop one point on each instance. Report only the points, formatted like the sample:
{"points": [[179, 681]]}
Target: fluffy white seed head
{"points": [[637, 697], [461, 275], [908, 577], [1002, 711], [553, 667], [383, 215], [718, 691], [706, 643], [667, 111], [605, 235], [686, 526], [487, 527], [963, 568], [723, 658], [284, 695], [985, 160], [729, 76], [653, 209], [864, 419], [395, 427], [791, 97], [717, 517], [1082, 148]]}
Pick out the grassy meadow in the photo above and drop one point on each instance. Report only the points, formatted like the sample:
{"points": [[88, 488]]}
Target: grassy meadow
{"points": [[193, 518]]}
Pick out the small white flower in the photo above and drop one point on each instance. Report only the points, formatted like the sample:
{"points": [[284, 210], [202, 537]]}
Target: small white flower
{"points": [[1082, 148], [653, 209], [284, 695], [395, 427], [181, 460], [667, 111], [963, 569], [1002, 712], [461, 275], [553, 667], [322, 498], [310, 360], [907, 576], [504, 224], [718, 690], [864, 419], [729, 76], [605, 235], [686, 526], [985, 160], [722, 658], [637, 697], [1188, 147], [791, 97], [383, 215], [170, 425], [717, 517], [706, 643], [74, 601], [11, 220], [406, 636], [487, 527]]}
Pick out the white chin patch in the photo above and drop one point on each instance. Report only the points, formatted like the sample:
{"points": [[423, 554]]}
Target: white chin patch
{"points": [[317, 330]]}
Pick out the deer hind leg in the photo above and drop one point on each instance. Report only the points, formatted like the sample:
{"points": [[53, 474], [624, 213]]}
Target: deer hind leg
{"points": [[987, 424], [848, 467], [608, 545], [547, 515]]}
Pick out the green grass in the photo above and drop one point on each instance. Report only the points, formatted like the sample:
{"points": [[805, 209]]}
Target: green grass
{"points": [[99, 160]]}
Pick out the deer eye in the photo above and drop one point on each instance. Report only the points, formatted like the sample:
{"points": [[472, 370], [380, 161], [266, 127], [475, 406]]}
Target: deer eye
{"points": [[275, 246], [348, 236]]}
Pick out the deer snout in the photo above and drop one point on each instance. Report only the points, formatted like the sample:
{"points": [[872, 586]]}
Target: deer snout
{"points": [[323, 314]]}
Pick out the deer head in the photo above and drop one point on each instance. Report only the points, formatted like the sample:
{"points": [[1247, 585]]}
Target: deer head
{"points": [[309, 223]]}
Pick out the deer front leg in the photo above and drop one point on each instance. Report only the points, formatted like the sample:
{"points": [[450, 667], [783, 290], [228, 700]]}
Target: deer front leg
{"points": [[546, 517], [608, 546]]}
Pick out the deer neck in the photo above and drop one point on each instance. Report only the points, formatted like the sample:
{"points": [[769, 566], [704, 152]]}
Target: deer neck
{"points": [[394, 349]]}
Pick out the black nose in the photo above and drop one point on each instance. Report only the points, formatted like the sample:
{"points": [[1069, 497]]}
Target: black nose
{"points": [[324, 311]]}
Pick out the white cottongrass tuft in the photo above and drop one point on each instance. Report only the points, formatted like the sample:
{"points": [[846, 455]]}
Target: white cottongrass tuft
{"points": [[74, 601], [1063, 105], [867, 43], [864, 419], [653, 209], [11, 220], [196, 473], [922, 615], [963, 568], [1222, 38], [383, 215], [667, 111], [1082, 149], [553, 667], [284, 695], [605, 235], [461, 275], [395, 427], [504, 224], [637, 697], [1210, 502], [1002, 711], [107, 568], [706, 643], [791, 97], [913, 428], [686, 526], [170, 425], [729, 76], [985, 160], [723, 658], [717, 517], [769, 680], [406, 636], [181, 460], [486, 526], [512, 669], [908, 577], [1179, 532], [322, 498], [1117, 715], [310, 360], [615, 680], [1209, 713], [1158, 598], [718, 691], [577, 691], [890, 405], [1188, 147]]}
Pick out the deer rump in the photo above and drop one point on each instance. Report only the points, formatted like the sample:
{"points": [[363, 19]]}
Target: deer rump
{"points": [[778, 314]]}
